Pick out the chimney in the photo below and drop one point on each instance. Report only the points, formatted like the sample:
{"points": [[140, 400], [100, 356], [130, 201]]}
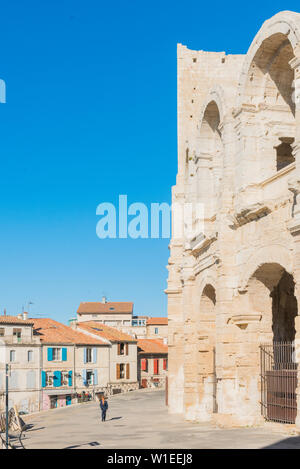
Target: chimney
{"points": [[25, 315], [103, 299], [4, 311], [20, 316]]}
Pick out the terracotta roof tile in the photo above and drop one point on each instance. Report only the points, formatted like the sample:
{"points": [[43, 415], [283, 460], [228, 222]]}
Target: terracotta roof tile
{"points": [[15, 320], [151, 346], [53, 332], [110, 333], [110, 307], [157, 321]]}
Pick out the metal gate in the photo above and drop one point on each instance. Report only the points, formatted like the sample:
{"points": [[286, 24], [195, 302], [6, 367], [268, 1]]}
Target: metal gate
{"points": [[278, 382]]}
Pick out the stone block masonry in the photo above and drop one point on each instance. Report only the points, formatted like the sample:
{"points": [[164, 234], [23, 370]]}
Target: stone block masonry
{"points": [[235, 283]]}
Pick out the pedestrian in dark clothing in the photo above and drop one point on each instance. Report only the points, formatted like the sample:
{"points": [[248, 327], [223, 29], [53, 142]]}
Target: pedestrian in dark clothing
{"points": [[104, 407]]}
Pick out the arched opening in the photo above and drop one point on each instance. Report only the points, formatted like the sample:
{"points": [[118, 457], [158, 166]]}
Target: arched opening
{"points": [[208, 302], [284, 153], [272, 292], [209, 161], [269, 95]]}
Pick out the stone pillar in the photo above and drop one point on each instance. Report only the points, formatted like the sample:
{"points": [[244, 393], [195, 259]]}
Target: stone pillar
{"points": [[190, 377], [175, 316], [247, 129]]}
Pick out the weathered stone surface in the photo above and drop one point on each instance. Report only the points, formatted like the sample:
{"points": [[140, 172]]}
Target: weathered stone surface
{"points": [[235, 280]]}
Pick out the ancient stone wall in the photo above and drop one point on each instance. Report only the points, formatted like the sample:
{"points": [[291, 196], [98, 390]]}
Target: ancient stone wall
{"points": [[234, 280]]}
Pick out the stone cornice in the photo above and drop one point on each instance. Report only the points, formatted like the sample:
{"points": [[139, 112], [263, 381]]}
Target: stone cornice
{"points": [[294, 226], [295, 62], [249, 213], [242, 320]]}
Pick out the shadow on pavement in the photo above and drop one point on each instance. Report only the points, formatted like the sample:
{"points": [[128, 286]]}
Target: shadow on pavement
{"points": [[288, 443], [91, 443], [31, 428]]}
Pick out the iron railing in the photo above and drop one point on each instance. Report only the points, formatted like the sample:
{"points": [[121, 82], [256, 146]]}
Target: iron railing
{"points": [[278, 382]]}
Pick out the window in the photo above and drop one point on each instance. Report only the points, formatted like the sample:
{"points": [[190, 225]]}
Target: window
{"points": [[56, 354], [121, 349], [89, 355], [120, 371], [134, 322], [89, 377], [12, 356], [30, 379], [144, 364], [64, 378], [30, 356], [155, 367], [49, 378], [2, 331], [156, 330], [17, 333], [13, 380], [123, 371]]}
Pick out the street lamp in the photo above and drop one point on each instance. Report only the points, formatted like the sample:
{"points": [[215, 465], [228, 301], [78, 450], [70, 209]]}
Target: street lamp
{"points": [[6, 404]]}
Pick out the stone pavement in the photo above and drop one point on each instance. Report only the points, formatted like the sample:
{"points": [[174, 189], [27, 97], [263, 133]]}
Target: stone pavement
{"points": [[139, 420]]}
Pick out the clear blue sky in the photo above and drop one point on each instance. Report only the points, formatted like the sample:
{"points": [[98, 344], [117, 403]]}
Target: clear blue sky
{"points": [[90, 114]]}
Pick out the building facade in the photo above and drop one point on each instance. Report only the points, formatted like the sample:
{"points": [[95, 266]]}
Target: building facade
{"points": [[152, 363], [157, 328], [74, 366], [122, 355], [20, 349], [234, 274], [112, 313], [119, 314], [53, 365]]}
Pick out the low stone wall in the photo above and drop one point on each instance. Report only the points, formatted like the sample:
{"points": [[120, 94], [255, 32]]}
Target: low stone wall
{"points": [[116, 388], [157, 382]]}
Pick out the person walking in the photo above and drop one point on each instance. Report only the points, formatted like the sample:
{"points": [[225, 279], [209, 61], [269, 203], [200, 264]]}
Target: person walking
{"points": [[104, 407]]}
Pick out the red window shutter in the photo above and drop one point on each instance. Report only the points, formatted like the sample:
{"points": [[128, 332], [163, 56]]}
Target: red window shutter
{"points": [[126, 348], [165, 363], [144, 364], [156, 367], [127, 371]]}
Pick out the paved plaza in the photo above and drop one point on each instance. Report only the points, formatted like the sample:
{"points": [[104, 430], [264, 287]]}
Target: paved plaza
{"points": [[139, 420]]}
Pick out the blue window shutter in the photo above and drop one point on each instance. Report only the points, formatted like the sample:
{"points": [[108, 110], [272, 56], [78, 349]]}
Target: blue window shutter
{"points": [[95, 376], [44, 378], [84, 355], [84, 377], [94, 355], [57, 378], [50, 354], [70, 378], [64, 354]]}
